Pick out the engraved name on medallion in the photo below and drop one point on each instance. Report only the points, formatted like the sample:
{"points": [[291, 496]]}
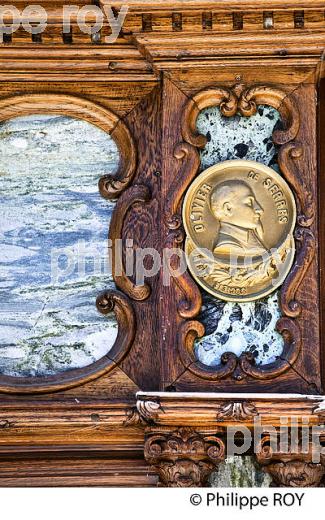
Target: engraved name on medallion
{"points": [[239, 218]]}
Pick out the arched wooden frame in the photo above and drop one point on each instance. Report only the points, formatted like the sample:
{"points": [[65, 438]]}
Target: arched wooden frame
{"points": [[246, 101], [110, 187]]}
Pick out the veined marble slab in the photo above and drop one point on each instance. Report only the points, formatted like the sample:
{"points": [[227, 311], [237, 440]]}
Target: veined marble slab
{"points": [[239, 327], [53, 245]]}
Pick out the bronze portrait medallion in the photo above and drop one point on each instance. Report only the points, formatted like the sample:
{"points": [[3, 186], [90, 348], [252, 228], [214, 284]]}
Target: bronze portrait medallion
{"points": [[239, 217]]}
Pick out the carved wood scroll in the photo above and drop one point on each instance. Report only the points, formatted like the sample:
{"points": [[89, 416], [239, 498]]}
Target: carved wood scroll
{"points": [[135, 194], [188, 307], [245, 101], [298, 469], [110, 186], [183, 457], [291, 455]]}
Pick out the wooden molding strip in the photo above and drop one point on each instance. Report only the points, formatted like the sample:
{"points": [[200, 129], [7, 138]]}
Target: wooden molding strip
{"points": [[222, 409], [141, 6], [187, 46]]}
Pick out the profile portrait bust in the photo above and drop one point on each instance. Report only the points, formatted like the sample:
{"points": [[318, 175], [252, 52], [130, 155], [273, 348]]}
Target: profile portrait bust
{"points": [[234, 205]]}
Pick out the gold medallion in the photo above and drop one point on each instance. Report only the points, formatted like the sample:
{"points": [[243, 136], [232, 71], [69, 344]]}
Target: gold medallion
{"points": [[239, 217]]}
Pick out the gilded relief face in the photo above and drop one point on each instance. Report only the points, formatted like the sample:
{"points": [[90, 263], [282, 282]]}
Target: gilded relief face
{"points": [[239, 217], [234, 202], [234, 205]]}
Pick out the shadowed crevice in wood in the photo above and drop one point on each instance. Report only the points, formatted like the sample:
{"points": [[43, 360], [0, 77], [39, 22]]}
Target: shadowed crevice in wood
{"points": [[311, 385]]}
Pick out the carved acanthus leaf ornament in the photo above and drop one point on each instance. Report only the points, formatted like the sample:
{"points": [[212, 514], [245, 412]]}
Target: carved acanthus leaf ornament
{"points": [[183, 457]]}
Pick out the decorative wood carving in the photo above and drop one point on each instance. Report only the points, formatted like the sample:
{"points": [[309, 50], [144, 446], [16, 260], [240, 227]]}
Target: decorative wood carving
{"points": [[238, 411], [109, 301], [305, 254], [287, 159], [254, 96], [188, 333], [195, 408], [183, 457], [292, 345], [220, 97], [246, 101], [296, 473], [244, 365], [148, 409], [111, 186], [137, 194], [190, 163], [291, 469], [191, 303], [143, 413], [133, 418]]}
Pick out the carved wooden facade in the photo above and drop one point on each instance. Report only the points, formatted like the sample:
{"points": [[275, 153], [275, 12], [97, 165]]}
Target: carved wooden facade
{"points": [[150, 412]]}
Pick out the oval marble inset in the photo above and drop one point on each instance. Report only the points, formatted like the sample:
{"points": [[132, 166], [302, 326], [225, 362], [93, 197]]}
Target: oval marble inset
{"points": [[53, 245]]}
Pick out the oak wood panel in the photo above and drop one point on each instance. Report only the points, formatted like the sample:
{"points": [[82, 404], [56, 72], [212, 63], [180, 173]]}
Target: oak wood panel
{"points": [[159, 46], [142, 225], [84, 436], [119, 96], [321, 198], [309, 361], [288, 73], [142, 5], [76, 471]]}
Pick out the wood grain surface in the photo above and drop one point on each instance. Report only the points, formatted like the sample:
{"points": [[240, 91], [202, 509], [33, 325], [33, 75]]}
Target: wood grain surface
{"points": [[140, 89]]}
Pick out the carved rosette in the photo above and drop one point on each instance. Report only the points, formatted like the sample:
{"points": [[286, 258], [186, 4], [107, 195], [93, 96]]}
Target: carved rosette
{"points": [[245, 101], [183, 457]]}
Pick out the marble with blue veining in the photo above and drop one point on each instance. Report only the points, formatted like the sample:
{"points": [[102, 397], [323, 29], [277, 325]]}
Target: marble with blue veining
{"points": [[249, 326], [53, 245]]}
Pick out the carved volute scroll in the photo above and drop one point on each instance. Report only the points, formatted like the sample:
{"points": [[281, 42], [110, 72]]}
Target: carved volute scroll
{"points": [[144, 413], [245, 101], [110, 187], [148, 409], [220, 97], [183, 457], [190, 160], [296, 469], [135, 194]]}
